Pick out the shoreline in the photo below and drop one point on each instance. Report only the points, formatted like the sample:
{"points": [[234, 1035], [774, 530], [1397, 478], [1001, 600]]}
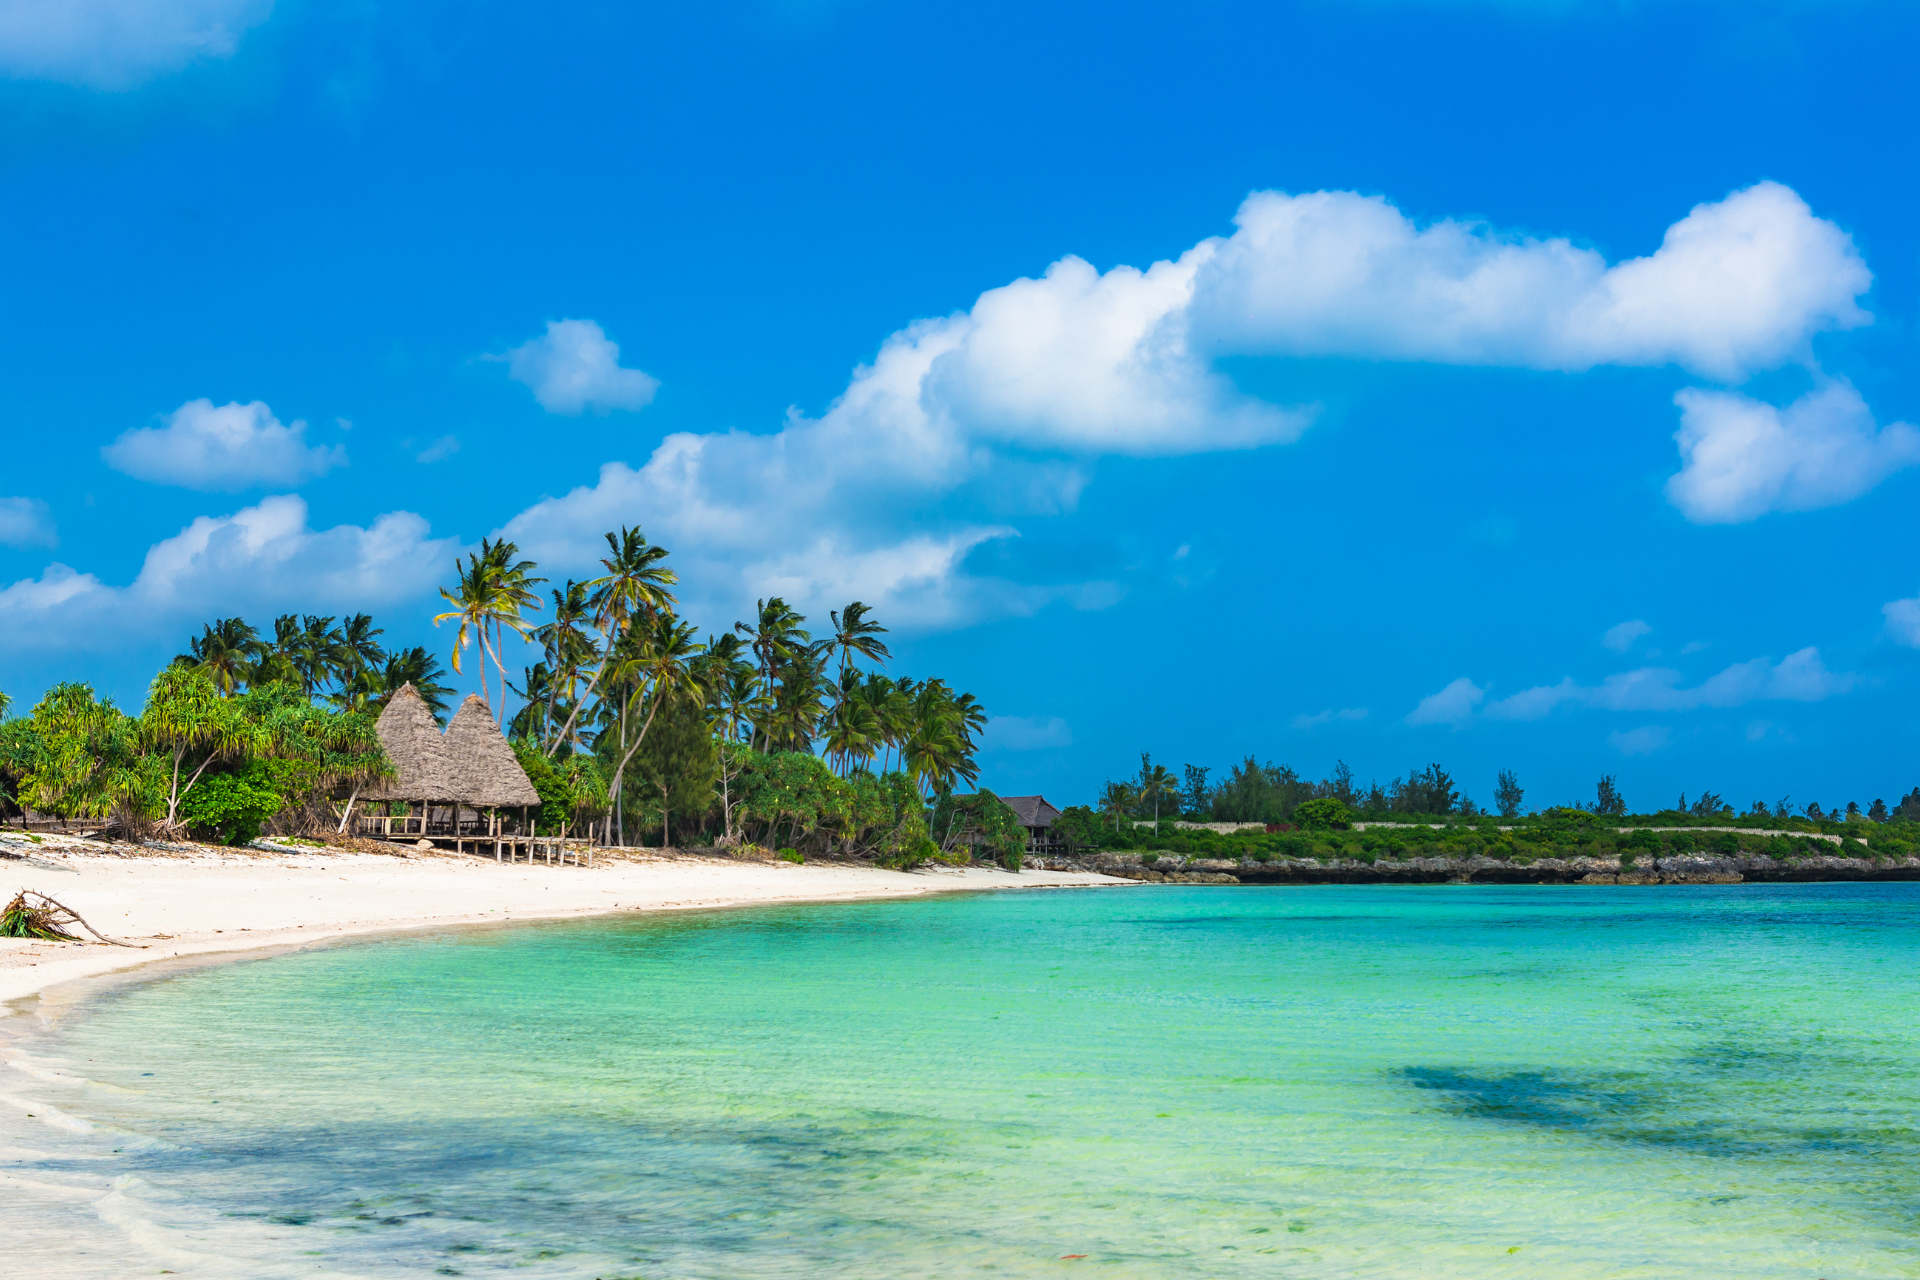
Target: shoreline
{"points": [[225, 905]]}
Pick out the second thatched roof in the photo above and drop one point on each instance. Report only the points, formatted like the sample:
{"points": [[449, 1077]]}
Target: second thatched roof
{"points": [[484, 770]]}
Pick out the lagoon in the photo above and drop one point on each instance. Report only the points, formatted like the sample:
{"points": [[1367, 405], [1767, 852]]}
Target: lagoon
{"points": [[1438, 1081]]}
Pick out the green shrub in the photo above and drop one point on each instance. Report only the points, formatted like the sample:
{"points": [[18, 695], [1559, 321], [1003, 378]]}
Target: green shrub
{"points": [[1321, 815], [792, 855], [228, 808]]}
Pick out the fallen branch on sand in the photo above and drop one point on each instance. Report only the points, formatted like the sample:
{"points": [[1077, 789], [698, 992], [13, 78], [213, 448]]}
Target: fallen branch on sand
{"points": [[35, 915]]}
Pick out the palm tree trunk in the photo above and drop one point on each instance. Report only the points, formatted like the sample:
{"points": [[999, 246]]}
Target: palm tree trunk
{"points": [[581, 701]]}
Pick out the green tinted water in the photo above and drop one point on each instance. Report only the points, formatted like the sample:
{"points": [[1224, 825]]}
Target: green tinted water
{"points": [[1379, 1082]]}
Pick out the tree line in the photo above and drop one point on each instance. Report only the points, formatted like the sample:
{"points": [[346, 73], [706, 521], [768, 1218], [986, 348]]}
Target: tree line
{"points": [[1273, 793], [626, 723]]}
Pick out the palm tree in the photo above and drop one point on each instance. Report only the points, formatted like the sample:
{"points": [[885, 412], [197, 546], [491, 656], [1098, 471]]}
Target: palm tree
{"points": [[471, 598], [278, 659], [634, 585], [568, 647], [936, 751], [655, 667], [493, 588], [888, 702], [778, 644], [1116, 799], [853, 633], [1156, 783], [735, 701], [416, 667], [513, 586], [536, 693], [227, 650], [853, 727], [360, 652], [319, 653]]}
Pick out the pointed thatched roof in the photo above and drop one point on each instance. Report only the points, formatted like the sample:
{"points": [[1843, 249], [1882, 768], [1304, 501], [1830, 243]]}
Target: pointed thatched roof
{"points": [[484, 769], [418, 752]]}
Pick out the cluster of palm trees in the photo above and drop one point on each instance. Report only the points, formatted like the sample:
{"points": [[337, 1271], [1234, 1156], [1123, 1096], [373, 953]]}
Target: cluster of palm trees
{"points": [[615, 656], [1155, 788], [338, 661]]}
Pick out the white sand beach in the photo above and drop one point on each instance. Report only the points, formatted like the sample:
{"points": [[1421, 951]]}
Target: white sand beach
{"points": [[180, 904]]}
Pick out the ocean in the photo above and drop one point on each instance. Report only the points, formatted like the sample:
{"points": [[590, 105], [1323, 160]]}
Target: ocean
{"points": [[1161, 1081]]}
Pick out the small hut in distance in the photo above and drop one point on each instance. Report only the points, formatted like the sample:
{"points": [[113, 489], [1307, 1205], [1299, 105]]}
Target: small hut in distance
{"points": [[448, 780]]}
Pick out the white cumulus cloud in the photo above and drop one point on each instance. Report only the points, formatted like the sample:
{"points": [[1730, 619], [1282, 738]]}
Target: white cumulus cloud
{"points": [[904, 488], [574, 368], [26, 522], [261, 557], [964, 422], [1743, 458], [1452, 705], [1621, 636], [1736, 286], [117, 44], [224, 447], [1798, 677]]}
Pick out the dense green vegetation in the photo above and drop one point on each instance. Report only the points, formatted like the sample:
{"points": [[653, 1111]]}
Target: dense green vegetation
{"points": [[626, 725], [194, 761], [1557, 833], [1276, 795]]}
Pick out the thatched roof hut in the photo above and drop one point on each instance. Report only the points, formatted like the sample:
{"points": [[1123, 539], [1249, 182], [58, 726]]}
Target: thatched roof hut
{"points": [[417, 749], [485, 772]]}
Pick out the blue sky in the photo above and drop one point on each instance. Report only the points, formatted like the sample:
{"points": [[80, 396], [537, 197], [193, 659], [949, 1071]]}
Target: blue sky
{"points": [[1507, 385]]}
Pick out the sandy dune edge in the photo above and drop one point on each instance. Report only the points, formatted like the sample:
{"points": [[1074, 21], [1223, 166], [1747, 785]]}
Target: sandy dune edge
{"points": [[200, 904]]}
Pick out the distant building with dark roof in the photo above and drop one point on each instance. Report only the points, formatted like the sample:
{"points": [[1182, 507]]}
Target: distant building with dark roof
{"points": [[1038, 817]]}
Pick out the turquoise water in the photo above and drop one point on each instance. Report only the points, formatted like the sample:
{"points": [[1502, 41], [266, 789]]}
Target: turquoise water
{"points": [[1168, 1081]]}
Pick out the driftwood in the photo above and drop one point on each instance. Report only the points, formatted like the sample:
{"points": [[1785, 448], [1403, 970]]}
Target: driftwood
{"points": [[35, 915]]}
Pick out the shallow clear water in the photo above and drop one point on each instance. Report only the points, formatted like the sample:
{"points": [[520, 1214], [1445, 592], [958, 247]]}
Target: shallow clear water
{"points": [[1166, 1081]]}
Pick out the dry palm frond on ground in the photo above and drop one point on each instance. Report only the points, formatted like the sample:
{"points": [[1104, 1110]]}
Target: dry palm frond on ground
{"points": [[35, 915]]}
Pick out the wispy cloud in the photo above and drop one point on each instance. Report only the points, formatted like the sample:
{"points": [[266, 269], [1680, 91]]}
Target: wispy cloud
{"points": [[1798, 677], [1453, 705], [118, 44], [26, 522], [1645, 740], [1903, 620], [1620, 637], [1318, 718], [443, 448]]}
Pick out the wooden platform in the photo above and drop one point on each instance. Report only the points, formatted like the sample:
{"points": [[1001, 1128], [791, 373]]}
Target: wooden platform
{"points": [[479, 836]]}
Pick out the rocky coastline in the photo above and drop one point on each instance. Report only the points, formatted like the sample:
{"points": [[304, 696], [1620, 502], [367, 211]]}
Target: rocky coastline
{"points": [[1696, 868]]}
